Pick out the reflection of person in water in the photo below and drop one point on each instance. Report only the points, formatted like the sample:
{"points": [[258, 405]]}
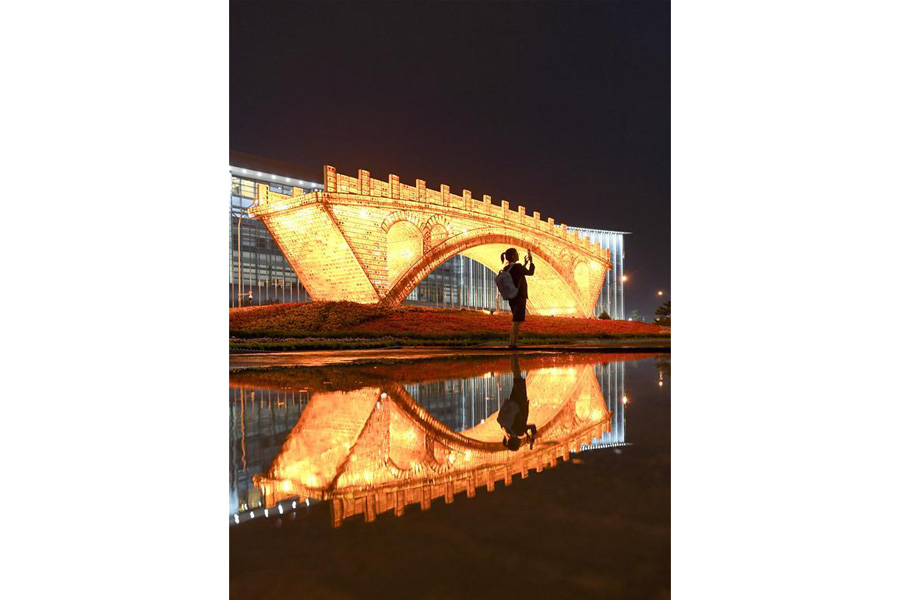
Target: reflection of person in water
{"points": [[513, 415]]}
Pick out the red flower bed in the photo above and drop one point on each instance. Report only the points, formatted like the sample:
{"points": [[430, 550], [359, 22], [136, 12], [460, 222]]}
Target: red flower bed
{"points": [[348, 318]]}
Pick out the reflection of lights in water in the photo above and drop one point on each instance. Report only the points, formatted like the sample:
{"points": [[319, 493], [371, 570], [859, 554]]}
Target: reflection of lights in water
{"points": [[252, 516], [266, 512], [307, 501], [407, 437], [237, 519]]}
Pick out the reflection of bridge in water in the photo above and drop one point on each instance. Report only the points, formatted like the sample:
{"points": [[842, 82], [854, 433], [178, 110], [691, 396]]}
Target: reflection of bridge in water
{"points": [[378, 448]]}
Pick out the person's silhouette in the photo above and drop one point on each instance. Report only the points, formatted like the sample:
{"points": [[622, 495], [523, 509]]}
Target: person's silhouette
{"points": [[513, 415], [517, 304]]}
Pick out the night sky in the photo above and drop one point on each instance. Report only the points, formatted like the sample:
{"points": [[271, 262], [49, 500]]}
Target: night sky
{"points": [[560, 107]]}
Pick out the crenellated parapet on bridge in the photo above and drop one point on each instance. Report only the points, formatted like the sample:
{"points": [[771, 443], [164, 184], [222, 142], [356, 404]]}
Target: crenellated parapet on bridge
{"points": [[373, 241]]}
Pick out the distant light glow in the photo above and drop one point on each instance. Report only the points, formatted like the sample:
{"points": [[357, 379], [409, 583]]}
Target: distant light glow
{"points": [[237, 519], [294, 504], [280, 510], [624, 399]]}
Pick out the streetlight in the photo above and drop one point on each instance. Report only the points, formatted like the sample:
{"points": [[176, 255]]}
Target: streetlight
{"points": [[659, 293], [624, 277]]}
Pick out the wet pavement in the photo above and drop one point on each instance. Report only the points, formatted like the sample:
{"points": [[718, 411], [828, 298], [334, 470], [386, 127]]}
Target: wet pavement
{"points": [[316, 358], [388, 478]]}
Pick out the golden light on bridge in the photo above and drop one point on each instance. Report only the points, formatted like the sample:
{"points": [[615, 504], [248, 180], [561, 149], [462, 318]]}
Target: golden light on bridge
{"points": [[373, 241]]}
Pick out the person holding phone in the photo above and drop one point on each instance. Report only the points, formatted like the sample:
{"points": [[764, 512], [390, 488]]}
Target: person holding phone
{"points": [[517, 305]]}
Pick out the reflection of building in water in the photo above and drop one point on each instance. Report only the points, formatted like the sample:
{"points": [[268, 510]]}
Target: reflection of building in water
{"points": [[463, 403], [376, 449], [612, 380], [259, 421]]}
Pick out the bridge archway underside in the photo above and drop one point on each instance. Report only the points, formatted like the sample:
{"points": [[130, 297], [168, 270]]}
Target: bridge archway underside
{"points": [[371, 249]]}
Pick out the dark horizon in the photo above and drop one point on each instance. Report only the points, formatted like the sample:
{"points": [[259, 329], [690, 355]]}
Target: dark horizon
{"points": [[561, 108]]}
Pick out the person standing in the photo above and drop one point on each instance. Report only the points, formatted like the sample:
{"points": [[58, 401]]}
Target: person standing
{"points": [[517, 305]]}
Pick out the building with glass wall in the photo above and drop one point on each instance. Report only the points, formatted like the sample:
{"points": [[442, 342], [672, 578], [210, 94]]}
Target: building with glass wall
{"points": [[259, 273]]}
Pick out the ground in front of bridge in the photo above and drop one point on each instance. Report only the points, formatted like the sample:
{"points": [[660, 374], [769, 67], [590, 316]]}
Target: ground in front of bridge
{"points": [[337, 325]]}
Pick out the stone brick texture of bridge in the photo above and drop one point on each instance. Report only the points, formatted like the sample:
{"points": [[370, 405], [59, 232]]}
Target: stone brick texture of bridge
{"points": [[371, 241]]}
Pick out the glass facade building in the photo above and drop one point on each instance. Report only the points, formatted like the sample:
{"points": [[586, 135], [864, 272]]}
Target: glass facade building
{"points": [[259, 273]]}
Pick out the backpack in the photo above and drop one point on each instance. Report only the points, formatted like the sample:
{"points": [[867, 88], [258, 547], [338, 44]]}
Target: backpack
{"points": [[506, 286]]}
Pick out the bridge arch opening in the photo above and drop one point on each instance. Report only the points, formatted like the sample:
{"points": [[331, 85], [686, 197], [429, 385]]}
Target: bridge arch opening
{"points": [[404, 248], [551, 291]]}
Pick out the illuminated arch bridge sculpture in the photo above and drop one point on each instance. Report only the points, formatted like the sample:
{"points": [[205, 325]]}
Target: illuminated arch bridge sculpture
{"points": [[374, 449], [370, 241]]}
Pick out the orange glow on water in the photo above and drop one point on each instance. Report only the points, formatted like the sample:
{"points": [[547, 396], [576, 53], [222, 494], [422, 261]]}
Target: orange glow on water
{"points": [[368, 460]]}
